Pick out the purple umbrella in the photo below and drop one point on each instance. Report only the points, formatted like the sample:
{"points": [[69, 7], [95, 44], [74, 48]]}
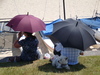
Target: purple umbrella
{"points": [[26, 23]]}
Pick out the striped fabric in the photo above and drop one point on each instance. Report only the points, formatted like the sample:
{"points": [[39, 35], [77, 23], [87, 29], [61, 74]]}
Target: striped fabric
{"points": [[71, 53]]}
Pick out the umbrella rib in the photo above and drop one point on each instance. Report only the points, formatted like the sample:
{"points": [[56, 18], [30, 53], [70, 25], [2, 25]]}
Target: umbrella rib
{"points": [[20, 21], [88, 32], [30, 24], [70, 33], [39, 23], [82, 38]]}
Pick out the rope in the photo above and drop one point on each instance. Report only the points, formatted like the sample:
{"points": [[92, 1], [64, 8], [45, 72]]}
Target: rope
{"points": [[96, 8], [44, 9], [2, 27], [6, 40], [3, 42], [59, 10], [98, 4], [16, 6], [4, 34]]}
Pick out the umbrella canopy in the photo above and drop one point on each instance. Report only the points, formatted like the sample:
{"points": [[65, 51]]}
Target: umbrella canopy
{"points": [[26, 23], [73, 33]]}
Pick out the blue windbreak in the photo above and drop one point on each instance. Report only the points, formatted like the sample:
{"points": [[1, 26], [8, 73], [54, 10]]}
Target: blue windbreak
{"points": [[49, 27], [94, 23]]}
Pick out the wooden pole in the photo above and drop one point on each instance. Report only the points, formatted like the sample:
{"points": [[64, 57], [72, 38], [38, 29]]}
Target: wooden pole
{"points": [[64, 9]]}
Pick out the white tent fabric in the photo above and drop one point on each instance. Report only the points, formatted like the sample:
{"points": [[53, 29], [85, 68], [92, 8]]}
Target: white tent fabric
{"points": [[81, 8]]}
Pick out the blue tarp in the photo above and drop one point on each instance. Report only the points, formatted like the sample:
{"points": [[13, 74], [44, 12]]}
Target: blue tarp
{"points": [[94, 23], [49, 27]]}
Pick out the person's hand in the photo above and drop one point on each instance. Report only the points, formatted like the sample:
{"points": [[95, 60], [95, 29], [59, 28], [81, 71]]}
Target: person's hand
{"points": [[20, 34]]}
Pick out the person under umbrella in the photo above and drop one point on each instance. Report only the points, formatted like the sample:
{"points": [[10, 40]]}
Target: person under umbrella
{"points": [[29, 45], [71, 53], [27, 24], [74, 38], [73, 33]]}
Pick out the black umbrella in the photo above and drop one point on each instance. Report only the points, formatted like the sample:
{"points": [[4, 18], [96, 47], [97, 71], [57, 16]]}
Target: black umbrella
{"points": [[73, 33]]}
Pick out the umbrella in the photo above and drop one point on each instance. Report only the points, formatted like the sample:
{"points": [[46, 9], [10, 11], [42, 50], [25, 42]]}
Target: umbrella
{"points": [[26, 23], [73, 33]]}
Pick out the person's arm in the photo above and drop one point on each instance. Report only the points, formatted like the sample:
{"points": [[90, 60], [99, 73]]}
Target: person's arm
{"points": [[16, 44]]}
